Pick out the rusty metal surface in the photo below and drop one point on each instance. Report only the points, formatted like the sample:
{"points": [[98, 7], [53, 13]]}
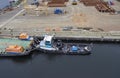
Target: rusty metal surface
{"points": [[57, 3]]}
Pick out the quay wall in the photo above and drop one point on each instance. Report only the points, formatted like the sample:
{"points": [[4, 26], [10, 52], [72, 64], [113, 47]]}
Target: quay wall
{"points": [[87, 36]]}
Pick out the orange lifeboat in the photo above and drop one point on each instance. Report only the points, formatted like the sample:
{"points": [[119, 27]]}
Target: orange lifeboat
{"points": [[23, 36], [14, 48]]}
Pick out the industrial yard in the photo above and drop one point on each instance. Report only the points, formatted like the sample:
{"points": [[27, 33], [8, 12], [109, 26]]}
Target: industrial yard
{"points": [[60, 39], [81, 19]]}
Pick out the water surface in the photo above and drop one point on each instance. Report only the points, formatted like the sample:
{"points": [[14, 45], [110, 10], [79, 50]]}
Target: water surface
{"points": [[3, 3], [104, 62]]}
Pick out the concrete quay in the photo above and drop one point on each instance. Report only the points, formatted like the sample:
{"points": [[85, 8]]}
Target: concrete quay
{"points": [[112, 36]]}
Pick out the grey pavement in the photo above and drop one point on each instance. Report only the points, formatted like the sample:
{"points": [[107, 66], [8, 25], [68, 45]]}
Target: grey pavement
{"points": [[8, 15]]}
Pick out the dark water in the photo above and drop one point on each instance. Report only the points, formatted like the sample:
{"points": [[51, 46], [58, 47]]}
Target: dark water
{"points": [[104, 62]]}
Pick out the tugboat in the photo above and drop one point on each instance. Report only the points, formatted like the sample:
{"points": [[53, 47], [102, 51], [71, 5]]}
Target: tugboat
{"points": [[16, 46], [49, 45]]}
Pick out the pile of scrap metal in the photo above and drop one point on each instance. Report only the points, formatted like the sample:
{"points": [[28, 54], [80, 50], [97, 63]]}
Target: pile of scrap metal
{"points": [[102, 7], [90, 3], [57, 3]]}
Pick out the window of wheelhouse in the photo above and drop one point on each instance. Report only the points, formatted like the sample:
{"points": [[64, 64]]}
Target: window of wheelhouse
{"points": [[47, 43]]}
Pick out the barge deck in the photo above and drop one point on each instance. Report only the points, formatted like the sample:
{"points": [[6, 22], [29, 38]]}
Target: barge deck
{"points": [[5, 42]]}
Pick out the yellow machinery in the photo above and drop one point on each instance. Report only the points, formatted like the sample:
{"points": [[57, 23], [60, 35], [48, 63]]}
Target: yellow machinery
{"points": [[74, 2]]}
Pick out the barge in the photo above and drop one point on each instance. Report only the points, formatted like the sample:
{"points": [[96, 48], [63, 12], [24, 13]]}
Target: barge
{"points": [[16, 46]]}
